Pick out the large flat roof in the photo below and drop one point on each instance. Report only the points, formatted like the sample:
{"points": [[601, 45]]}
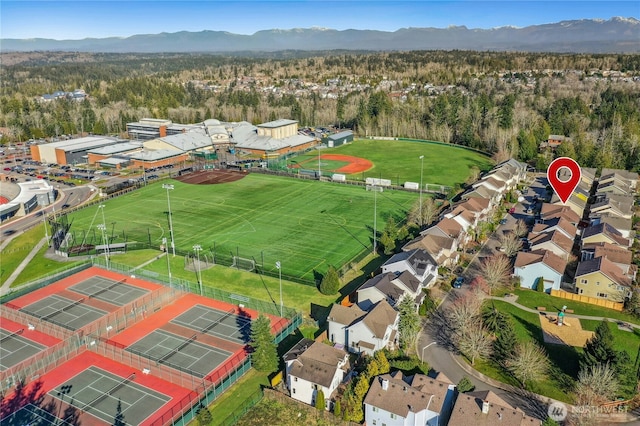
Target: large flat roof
{"points": [[159, 154], [83, 144], [277, 123], [245, 136], [115, 149]]}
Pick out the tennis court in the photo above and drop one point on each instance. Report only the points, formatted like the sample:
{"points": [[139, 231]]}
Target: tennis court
{"points": [[70, 314], [98, 392], [182, 354], [14, 348], [225, 325], [110, 291], [33, 415]]}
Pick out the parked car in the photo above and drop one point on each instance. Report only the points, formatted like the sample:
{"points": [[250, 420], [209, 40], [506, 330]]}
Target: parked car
{"points": [[458, 282], [503, 222]]}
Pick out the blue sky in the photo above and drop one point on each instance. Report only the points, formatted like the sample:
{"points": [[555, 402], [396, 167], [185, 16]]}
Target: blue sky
{"points": [[81, 19]]}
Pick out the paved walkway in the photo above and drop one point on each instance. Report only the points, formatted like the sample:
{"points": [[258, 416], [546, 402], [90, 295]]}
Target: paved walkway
{"points": [[512, 299], [7, 284]]}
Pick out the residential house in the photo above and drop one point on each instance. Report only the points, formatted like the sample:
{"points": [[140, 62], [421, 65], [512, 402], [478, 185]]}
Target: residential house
{"points": [[418, 262], [447, 227], [491, 183], [618, 205], [418, 400], [464, 217], [485, 408], [363, 331], [555, 242], [492, 195], [531, 266], [552, 211], [600, 277], [515, 167], [621, 224], [556, 224], [577, 201], [630, 178], [480, 207], [313, 366], [588, 175], [620, 256], [444, 250], [392, 287], [505, 175], [604, 232], [553, 141], [615, 186]]}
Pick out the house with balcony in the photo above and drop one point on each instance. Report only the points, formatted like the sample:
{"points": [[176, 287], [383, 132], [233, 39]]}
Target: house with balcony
{"points": [[418, 263], [606, 233], [620, 256], [623, 225], [364, 331], [617, 205]]}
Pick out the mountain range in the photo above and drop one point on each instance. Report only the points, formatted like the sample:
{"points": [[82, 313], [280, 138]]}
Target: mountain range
{"points": [[615, 35]]}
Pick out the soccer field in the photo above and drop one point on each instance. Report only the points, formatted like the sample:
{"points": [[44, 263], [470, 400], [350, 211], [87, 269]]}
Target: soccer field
{"points": [[306, 225], [399, 161]]}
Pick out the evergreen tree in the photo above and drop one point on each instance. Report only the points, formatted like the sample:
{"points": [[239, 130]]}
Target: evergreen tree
{"points": [[330, 283], [465, 385], [383, 363], [337, 409], [505, 343], [265, 355], [204, 416], [409, 323], [599, 349], [321, 405]]}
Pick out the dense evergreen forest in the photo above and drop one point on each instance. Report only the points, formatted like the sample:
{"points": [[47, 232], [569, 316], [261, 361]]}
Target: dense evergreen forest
{"points": [[504, 103]]}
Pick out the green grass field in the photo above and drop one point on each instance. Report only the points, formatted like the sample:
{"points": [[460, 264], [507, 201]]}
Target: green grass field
{"points": [[399, 161], [306, 225]]}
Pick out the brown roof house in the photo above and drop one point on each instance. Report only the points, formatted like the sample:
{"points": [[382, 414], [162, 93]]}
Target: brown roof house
{"points": [[362, 331], [313, 366], [552, 211], [557, 224], [554, 241], [448, 228], [394, 399], [538, 265], [390, 286], [620, 256], [623, 225], [607, 202], [444, 250], [485, 408], [600, 277]]}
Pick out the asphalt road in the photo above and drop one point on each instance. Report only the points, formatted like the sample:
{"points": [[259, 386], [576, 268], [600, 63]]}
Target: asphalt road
{"points": [[68, 197]]}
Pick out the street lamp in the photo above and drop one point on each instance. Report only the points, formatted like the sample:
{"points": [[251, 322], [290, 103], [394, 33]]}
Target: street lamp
{"points": [[164, 243], [197, 249], [421, 169], [279, 266], [173, 245]]}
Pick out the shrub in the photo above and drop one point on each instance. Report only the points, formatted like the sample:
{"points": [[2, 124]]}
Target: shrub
{"points": [[465, 385]]}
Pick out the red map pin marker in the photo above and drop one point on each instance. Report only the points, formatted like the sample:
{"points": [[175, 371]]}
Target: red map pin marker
{"points": [[564, 175]]}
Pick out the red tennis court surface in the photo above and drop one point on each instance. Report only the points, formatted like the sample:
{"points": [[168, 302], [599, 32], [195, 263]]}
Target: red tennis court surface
{"points": [[41, 390], [123, 341]]}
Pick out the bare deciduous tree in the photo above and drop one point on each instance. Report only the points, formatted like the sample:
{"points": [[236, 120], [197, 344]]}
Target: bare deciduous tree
{"points": [[521, 228], [475, 342], [597, 384], [528, 362], [510, 244], [495, 271], [464, 312], [429, 212]]}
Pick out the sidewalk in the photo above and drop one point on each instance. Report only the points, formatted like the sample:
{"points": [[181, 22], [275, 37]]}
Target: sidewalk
{"points": [[7, 284]]}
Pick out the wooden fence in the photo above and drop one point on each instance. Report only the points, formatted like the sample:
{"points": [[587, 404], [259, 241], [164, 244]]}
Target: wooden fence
{"points": [[617, 306]]}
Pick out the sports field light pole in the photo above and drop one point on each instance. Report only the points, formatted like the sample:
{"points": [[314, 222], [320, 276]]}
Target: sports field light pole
{"points": [[375, 216], [278, 265], [103, 229], [164, 243], [421, 169], [104, 226], [173, 245], [197, 249]]}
